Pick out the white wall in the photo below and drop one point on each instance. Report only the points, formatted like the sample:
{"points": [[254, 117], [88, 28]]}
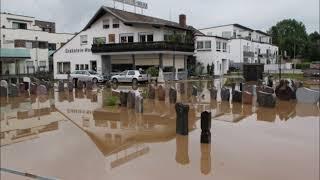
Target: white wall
{"points": [[210, 56], [9, 35], [96, 30]]}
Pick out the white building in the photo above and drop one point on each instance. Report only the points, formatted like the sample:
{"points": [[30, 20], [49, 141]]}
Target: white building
{"points": [[246, 45], [213, 50], [26, 45], [116, 40]]}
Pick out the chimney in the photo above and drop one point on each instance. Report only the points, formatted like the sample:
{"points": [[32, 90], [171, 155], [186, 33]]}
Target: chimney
{"points": [[183, 20]]}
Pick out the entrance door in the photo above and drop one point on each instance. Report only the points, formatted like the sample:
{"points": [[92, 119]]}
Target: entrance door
{"points": [[93, 65]]}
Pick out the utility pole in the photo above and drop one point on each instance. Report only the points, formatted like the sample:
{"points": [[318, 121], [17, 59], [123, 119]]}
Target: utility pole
{"points": [[37, 46]]}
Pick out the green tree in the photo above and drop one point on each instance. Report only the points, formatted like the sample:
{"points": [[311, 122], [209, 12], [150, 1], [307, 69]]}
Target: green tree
{"points": [[291, 36], [313, 47]]}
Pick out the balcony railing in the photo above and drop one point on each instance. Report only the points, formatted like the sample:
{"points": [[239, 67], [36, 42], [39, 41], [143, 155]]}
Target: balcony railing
{"points": [[142, 46]]}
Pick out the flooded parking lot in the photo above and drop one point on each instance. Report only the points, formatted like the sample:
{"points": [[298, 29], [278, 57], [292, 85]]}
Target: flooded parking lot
{"points": [[75, 135]]}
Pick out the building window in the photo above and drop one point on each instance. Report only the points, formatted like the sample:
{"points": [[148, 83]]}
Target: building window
{"points": [[106, 24], [42, 63], [146, 37], [29, 64], [52, 46], [43, 45], [99, 40], [63, 67], [224, 47], [83, 39], [112, 38], [29, 45], [218, 44], [207, 44], [77, 67], [17, 25], [81, 66], [115, 23], [19, 43], [126, 38], [86, 66], [200, 45]]}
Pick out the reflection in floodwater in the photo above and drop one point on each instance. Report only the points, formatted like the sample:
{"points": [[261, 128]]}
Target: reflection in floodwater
{"points": [[182, 149], [205, 158], [122, 135], [26, 118]]}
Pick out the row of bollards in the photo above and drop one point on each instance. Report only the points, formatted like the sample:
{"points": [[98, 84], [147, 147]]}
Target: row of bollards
{"points": [[182, 126], [131, 100], [182, 140], [265, 95]]}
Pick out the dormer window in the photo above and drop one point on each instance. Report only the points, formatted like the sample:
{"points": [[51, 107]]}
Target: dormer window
{"points": [[106, 23], [83, 39], [115, 23]]}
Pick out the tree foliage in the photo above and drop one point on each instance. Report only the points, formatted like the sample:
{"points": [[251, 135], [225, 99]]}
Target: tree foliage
{"points": [[291, 36], [312, 51]]}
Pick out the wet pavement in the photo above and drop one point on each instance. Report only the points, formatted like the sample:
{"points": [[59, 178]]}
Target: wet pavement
{"points": [[74, 135]]}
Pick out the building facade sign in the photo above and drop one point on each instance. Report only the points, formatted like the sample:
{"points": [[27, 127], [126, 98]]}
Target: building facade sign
{"points": [[135, 3], [77, 50]]}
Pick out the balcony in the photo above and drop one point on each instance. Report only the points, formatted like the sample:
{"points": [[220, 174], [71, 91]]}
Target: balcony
{"points": [[145, 46]]}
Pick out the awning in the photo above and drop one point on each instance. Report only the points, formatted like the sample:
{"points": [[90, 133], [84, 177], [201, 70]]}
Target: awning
{"points": [[14, 53]]}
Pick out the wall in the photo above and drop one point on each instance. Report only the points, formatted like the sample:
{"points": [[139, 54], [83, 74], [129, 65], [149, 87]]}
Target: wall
{"points": [[212, 56]]}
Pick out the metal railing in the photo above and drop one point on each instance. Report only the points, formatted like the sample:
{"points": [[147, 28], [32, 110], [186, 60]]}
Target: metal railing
{"points": [[143, 46]]}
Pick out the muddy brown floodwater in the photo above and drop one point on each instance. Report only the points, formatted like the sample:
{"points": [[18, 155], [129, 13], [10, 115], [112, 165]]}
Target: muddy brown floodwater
{"points": [[75, 136]]}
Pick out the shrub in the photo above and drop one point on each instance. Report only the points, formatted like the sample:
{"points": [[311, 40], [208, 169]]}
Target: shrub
{"points": [[153, 71]]}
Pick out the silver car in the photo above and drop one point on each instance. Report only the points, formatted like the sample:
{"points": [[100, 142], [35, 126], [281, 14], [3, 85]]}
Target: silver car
{"points": [[85, 75], [133, 76]]}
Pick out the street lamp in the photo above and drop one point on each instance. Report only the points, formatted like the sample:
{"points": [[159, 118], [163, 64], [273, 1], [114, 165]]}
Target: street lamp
{"points": [[37, 44]]}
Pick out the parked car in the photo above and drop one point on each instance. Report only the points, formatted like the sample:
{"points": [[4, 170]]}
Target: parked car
{"points": [[133, 76], [85, 75]]}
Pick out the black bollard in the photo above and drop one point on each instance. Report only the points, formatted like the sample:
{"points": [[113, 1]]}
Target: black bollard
{"points": [[241, 86], [182, 119], [205, 121], [205, 127]]}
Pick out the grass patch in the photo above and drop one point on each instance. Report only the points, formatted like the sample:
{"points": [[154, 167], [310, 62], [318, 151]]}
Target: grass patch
{"points": [[111, 101]]}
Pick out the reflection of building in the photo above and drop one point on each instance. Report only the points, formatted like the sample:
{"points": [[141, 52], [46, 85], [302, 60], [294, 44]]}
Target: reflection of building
{"points": [[26, 45], [120, 133], [27, 121]]}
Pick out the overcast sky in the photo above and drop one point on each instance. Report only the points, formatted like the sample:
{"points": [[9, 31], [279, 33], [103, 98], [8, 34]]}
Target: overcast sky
{"points": [[72, 15]]}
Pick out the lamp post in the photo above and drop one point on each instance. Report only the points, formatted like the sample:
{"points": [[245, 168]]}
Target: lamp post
{"points": [[37, 63]]}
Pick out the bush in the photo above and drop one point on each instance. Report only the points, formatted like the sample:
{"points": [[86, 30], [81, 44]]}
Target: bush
{"points": [[303, 66], [111, 101], [153, 71]]}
